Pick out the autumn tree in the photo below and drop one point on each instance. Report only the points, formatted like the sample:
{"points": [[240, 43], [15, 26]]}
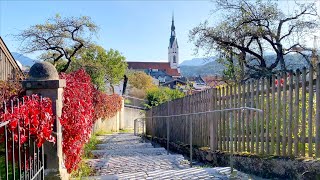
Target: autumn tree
{"points": [[248, 29], [59, 38], [115, 65], [139, 83], [102, 66]]}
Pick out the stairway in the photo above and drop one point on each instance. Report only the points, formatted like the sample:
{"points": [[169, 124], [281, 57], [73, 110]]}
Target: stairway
{"points": [[125, 156]]}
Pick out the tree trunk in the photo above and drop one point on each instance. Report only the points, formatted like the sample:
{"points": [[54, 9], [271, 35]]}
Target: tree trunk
{"points": [[112, 88], [65, 68], [281, 58]]}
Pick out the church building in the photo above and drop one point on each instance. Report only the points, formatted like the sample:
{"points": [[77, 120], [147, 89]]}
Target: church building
{"points": [[162, 71]]}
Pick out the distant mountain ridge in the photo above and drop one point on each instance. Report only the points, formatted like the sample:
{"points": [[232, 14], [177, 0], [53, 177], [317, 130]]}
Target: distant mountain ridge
{"points": [[197, 61], [205, 67], [24, 60]]}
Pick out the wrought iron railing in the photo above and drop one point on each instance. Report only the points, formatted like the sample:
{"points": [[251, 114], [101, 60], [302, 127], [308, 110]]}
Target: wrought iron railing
{"points": [[19, 160]]}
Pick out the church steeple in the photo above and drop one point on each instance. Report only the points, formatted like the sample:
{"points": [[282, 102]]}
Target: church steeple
{"points": [[173, 49], [173, 32], [172, 25]]}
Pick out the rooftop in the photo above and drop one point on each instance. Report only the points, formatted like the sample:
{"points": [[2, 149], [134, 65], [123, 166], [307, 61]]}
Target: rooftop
{"points": [[164, 66]]}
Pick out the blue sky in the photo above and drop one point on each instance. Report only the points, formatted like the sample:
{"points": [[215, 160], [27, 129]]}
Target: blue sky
{"points": [[138, 29]]}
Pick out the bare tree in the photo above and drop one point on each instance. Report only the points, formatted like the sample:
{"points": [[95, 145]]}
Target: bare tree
{"points": [[249, 29], [58, 38]]}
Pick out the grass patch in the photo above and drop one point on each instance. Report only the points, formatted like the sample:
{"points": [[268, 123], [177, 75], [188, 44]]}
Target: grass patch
{"points": [[3, 165], [102, 132], [126, 130], [83, 171], [91, 145], [203, 166]]}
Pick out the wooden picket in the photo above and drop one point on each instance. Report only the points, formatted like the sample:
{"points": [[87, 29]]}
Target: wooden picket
{"points": [[289, 126]]}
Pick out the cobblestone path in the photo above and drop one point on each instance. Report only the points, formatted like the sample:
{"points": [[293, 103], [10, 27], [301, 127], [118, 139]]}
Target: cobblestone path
{"points": [[125, 156]]}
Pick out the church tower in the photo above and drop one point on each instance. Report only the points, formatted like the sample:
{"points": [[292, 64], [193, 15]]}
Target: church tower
{"points": [[173, 49]]}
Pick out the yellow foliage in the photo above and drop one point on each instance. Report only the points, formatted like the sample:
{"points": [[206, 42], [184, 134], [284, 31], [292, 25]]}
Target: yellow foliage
{"points": [[141, 80]]}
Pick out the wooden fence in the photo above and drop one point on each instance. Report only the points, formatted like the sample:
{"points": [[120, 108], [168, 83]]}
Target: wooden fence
{"points": [[289, 126]]}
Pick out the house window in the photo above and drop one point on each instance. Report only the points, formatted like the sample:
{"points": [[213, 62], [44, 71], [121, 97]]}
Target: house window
{"points": [[174, 59]]}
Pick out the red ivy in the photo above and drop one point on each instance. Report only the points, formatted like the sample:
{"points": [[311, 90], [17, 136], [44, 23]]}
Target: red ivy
{"points": [[34, 116], [37, 113], [77, 116], [106, 106], [82, 106]]}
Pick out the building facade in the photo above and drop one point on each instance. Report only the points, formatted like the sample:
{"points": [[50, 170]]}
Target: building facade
{"points": [[9, 68]]}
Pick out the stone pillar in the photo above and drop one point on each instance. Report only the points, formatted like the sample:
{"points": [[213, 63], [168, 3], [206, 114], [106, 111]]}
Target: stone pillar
{"points": [[44, 80]]}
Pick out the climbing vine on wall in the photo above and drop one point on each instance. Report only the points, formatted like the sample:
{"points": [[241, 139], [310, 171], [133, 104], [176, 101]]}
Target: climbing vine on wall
{"points": [[82, 106], [106, 106], [34, 117], [77, 116]]}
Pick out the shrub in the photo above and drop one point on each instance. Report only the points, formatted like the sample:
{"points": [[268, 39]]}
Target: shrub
{"points": [[106, 106], [77, 116], [157, 96], [82, 106], [9, 89]]}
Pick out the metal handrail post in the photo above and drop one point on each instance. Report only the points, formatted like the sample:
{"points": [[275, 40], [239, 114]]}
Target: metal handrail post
{"points": [[168, 127], [190, 125], [135, 127], [231, 140], [168, 136], [143, 128]]}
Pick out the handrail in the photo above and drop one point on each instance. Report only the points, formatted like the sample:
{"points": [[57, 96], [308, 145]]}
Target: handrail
{"points": [[204, 112], [133, 98], [134, 107]]}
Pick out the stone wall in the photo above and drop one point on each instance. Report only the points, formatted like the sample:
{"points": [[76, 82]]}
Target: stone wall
{"points": [[130, 115], [107, 125], [112, 124], [266, 167]]}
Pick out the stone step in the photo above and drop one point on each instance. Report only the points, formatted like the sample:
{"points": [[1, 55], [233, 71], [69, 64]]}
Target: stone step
{"points": [[189, 173], [116, 138], [133, 164], [111, 146], [128, 152]]}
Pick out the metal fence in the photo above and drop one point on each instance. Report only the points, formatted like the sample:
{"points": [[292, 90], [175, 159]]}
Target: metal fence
{"points": [[19, 160]]}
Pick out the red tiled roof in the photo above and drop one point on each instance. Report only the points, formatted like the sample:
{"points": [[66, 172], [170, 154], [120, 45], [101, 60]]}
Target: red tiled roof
{"points": [[213, 81], [164, 66]]}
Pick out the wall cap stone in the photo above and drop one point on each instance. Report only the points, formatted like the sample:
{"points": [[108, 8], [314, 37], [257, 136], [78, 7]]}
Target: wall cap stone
{"points": [[43, 71], [44, 84]]}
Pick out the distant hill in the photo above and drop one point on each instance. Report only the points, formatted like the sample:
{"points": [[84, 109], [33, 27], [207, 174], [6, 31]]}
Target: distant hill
{"points": [[210, 68], [24, 60], [199, 66], [197, 61]]}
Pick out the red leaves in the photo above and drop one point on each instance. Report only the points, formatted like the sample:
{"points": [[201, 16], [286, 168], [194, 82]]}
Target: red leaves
{"points": [[106, 106], [82, 106], [281, 82], [33, 110], [77, 116]]}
